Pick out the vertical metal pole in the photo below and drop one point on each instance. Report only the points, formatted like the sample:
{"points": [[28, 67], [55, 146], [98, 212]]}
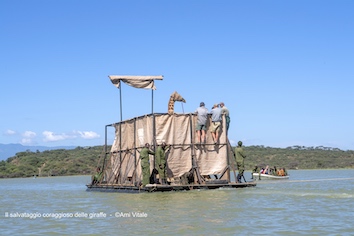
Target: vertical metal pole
{"points": [[153, 119], [120, 131], [153, 131], [135, 152], [120, 99], [105, 138], [105, 148], [193, 155], [224, 130], [152, 101], [153, 126]]}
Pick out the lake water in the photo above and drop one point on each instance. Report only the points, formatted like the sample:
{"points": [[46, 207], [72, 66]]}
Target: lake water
{"points": [[311, 202]]}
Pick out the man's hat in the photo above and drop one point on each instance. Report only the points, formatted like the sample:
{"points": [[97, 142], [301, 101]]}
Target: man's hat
{"points": [[202, 104]]}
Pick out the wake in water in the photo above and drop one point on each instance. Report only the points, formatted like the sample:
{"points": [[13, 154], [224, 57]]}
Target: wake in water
{"points": [[317, 180], [304, 180]]}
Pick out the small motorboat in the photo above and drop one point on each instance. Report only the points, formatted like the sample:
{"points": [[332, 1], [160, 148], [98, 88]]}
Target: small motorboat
{"points": [[258, 176]]}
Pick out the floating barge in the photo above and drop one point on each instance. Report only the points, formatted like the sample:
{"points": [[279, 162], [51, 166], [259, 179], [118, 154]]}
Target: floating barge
{"points": [[166, 188], [190, 165]]}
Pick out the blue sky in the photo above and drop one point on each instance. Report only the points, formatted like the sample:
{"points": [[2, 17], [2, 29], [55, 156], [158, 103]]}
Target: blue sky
{"points": [[285, 69]]}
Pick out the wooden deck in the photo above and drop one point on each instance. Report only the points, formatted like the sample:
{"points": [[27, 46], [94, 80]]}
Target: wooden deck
{"points": [[165, 188]]}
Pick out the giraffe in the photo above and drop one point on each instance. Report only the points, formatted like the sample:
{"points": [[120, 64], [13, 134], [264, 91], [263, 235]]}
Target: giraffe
{"points": [[171, 104]]}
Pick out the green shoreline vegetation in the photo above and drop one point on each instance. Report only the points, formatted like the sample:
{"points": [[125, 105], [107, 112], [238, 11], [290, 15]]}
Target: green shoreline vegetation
{"points": [[84, 160]]}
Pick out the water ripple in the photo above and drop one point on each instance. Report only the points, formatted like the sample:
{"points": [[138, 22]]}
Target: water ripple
{"points": [[310, 203]]}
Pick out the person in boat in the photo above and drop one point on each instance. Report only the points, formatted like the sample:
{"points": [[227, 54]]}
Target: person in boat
{"points": [[160, 161], [285, 172], [225, 111], [266, 170], [145, 163], [202, 117], [216, 118], [275, 171], [240, 163], [282, 172], [271, 171], [97, 178]]}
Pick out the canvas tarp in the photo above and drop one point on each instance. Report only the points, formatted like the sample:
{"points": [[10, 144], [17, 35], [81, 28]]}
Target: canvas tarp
{"points": [[146, 82], [177, 130]]}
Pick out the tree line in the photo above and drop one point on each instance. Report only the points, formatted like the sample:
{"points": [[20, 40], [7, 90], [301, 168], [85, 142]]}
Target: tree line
{"points": [[84, 160]]}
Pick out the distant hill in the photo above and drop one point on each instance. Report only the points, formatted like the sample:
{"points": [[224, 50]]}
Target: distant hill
{"points": [[10, 150], [58, 162], [84, 160]]}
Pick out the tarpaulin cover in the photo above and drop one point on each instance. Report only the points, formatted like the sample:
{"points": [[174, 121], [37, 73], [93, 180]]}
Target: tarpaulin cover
{"points": [[136, 81], [177, 130]]}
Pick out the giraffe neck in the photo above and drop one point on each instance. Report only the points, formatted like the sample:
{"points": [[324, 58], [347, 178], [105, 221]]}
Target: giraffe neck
{"points": [[171, 106]]}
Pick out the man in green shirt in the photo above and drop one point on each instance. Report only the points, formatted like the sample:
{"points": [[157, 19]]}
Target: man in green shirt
{"points": [[240, 156], [97, 178], [160, 162], [145, 163]]}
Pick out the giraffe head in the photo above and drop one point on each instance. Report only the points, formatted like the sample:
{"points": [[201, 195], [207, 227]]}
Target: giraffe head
{"points": [[173, 98], [176, 97]]}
